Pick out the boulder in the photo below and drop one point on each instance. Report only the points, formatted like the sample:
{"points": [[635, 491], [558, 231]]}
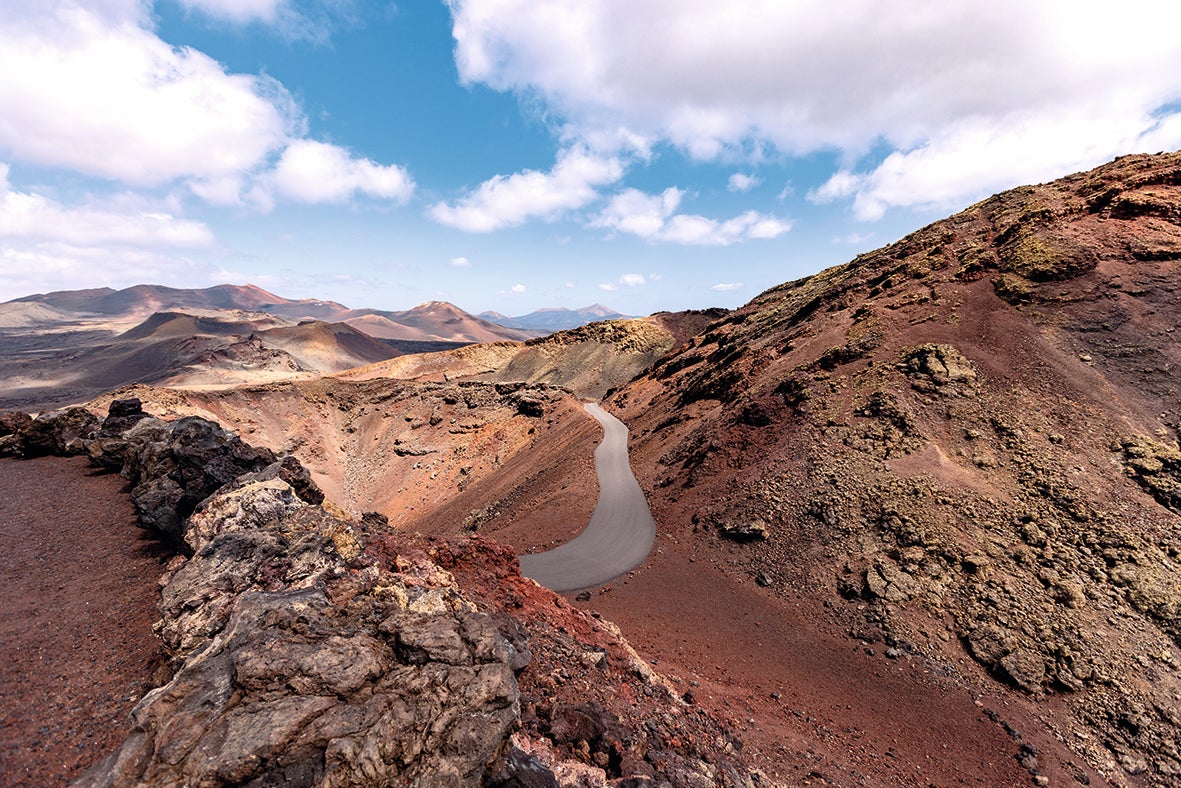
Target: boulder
{"points": [[297, 691], [744, 530], [122, 414], [395, 682], [61, 432], [934, 366]]}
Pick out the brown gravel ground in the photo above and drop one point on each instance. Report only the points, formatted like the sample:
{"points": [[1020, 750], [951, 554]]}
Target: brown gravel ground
{"points": [[76, 644], [811, 708]]}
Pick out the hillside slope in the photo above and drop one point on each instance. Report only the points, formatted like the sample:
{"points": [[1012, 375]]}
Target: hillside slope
{"points": [[589, 360], [512, 461], [965, 446]]}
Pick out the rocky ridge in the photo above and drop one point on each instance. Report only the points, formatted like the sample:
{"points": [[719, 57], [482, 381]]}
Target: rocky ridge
{"points": [[308, 648], [977, 425]]}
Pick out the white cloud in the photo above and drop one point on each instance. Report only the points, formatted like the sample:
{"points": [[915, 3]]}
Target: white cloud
{"points": [[653, 217], [971, 96], [461, 262], [106, 97], [310, 171], [50, 265], [841, 184], [518, 288], [741, 182], [116, 240], [627, 280], [92, 89], [985, 155], [27, 216], [727, 287], [511, 200]]}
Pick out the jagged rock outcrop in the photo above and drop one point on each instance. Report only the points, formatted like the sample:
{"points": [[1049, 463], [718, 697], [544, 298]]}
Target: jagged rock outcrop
{"points": [[297, 660], [300, 657], [58, 432]]}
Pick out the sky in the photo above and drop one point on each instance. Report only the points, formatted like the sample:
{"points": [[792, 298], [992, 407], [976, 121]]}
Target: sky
{"points": [[511, 155]]}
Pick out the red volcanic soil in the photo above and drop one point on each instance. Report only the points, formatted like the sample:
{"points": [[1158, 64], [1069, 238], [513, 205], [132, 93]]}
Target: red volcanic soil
{"points": [[810, 708], [76, 645]]}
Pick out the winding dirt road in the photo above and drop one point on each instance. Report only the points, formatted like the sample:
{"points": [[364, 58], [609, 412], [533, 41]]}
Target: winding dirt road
{"points": [[621, 531]]}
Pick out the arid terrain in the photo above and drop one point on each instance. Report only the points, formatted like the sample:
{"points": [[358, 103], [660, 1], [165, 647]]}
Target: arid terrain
{"points": [[918, 516], [67, 347]]}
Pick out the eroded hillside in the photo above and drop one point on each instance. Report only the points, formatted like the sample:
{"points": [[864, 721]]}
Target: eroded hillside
{"points": [[512, 461], [966, 444], [589, 360]]}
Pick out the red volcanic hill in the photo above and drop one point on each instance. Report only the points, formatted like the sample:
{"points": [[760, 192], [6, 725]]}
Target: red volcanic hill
{"points": [[327, 347], [434, 321], [965, 445], [142, 299], [69, 346]]}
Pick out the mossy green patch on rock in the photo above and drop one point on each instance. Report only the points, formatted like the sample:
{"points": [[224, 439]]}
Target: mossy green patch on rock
{"points": [[1157, 467], [1041, 256]]}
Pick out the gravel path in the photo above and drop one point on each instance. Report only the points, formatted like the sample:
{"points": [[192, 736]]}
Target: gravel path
{"points": [[620, 533], [79, 600]]}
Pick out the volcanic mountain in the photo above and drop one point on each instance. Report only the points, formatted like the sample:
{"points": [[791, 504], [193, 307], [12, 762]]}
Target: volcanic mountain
{"points": [[66, 347], [918, 515], [965, 445], [434, 321], [145, 299]]}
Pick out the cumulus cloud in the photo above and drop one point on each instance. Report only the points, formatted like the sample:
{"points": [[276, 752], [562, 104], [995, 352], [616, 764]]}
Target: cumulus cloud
{"points": [[653, 217], [92, 89], [952, 88], [511, 200], [311, 171], [29, 216], [627, 280], [982, 156], [518, 288], [727, 287], [111, 99], [461, 262], [741, 182]]}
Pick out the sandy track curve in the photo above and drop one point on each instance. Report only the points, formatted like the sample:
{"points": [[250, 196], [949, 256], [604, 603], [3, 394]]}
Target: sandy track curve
{"points": [[621, 531]]}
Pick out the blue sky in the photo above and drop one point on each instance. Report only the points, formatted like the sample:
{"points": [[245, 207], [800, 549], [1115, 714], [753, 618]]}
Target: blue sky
{"points": [[515, 154]]}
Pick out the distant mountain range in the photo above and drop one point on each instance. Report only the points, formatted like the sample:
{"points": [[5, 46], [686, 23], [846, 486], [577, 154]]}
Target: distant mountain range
{"points": [[67, 346], [558, 319], [434, 321]]}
